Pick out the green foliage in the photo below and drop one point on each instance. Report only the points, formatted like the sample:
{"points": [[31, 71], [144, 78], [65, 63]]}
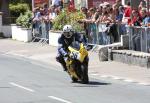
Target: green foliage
{"points": [[16, 9], [69, 18], [17, 1], [23, 20], [60, 21]]}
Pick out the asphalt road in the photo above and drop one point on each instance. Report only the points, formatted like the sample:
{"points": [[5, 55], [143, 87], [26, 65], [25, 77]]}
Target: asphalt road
{"points": [[26, 81]]}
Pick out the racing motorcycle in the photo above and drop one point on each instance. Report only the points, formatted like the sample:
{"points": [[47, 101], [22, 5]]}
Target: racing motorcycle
{"points": [[77, 63]]}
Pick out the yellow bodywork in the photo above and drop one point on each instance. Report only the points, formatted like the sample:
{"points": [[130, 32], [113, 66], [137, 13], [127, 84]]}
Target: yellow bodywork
{"points": [[82, 52]]}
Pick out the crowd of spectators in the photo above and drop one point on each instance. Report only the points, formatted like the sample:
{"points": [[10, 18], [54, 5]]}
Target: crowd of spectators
{"points": [[115, 17], [102, 20], [42, 19]]}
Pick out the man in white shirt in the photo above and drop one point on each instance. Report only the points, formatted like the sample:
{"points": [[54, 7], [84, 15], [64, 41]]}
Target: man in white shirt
{"points": [[55, 3]]}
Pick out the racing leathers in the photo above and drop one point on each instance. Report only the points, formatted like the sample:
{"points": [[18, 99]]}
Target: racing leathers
{"points": [[64, 43]]}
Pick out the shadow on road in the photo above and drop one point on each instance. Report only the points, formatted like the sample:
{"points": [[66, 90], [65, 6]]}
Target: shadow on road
{"points": [[98, 83], [92, 84]]}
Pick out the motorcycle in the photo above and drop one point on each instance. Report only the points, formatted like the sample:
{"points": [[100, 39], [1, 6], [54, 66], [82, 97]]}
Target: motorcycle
{"points": [[77, 63]]}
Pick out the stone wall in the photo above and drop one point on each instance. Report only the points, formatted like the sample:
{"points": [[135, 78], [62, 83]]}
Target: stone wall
{"points": [[6, 29], [130, 57]]}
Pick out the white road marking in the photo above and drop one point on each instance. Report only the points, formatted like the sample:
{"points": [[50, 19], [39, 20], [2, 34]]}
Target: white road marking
{"points": [[116, 78], [15, 54], [129, 80], [120, 78], [25, 88], [59, 99]]}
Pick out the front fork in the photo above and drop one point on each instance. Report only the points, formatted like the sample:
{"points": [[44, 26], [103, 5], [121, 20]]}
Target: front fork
{"points": [[71, 69]]}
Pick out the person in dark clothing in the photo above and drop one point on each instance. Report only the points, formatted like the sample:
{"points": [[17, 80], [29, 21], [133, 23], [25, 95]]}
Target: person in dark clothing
{"points": [[65, 40], [137, 39]]}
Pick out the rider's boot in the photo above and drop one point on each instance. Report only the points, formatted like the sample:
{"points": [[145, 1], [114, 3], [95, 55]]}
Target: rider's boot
{"points": [[64, 66], [62, 62]]}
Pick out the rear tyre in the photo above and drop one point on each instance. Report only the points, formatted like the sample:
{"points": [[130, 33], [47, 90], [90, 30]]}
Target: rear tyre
{"points": [[85, 77], [74, 80]]}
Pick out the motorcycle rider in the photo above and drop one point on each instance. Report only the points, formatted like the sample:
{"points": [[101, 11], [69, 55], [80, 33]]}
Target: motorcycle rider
{"points": [[67, 37]]}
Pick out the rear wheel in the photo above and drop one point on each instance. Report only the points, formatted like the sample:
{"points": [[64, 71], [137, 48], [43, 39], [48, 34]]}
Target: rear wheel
{"points": [[85, 77], [74, 79]]}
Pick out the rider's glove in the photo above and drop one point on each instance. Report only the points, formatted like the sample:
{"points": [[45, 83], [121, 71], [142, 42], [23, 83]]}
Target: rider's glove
{"points": [[63, 52]]}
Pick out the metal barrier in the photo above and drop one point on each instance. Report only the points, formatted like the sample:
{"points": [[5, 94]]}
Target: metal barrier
{"points": [[139, 38], [103, 34], [41, 32]]}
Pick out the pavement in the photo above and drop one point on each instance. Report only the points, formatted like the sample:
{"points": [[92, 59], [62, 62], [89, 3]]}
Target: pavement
{"points": [[46, 54]]}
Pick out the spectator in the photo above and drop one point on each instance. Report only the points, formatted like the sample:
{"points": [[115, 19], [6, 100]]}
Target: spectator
{"points": [[92, 27], [71, 6], [42, 11], [142, 5], [145, 21], [145, 17], [45, 22], [84, 10], [113, 13], [56, 3], [118, 3], [37, 15], [52, 13], [37, 21], [57, 10], [136, 18], [103, 18], [98, 12], [127, 14], [45, 9], [119, 15], [60, 4]]}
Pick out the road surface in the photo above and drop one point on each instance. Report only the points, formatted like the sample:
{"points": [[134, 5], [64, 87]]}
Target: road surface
{"points": [[26, 81]]}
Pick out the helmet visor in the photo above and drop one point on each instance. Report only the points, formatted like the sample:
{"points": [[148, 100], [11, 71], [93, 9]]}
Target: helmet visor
{"points": [[68, 34]]}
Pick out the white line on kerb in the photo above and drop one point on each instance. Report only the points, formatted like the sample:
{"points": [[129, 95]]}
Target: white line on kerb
{"points": [[25, 88], [94, 74], [59, 99]]}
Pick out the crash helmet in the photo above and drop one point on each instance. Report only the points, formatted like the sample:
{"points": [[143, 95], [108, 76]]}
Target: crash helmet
{"points": [[68, 31]]}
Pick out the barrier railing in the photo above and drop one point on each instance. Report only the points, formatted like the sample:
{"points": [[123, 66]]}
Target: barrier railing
{"points": [[41, 31], [103, 34], [139, 38]]}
